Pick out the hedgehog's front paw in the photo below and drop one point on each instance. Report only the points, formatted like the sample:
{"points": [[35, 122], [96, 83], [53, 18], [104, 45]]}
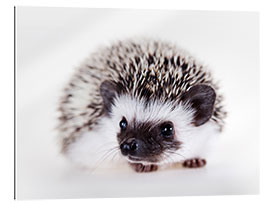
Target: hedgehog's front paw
{"points": [[194, 163], [140, 168]]}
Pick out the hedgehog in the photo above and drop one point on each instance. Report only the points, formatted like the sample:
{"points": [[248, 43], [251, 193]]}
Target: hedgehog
{"points": [[145, 103]]}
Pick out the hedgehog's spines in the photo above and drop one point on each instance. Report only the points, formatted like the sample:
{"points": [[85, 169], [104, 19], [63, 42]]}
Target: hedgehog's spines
{"points": [[143, 69]]}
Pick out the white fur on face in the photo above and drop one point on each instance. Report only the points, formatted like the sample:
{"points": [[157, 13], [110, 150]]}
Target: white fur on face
{"points": [[101, 143], [155, 112]]}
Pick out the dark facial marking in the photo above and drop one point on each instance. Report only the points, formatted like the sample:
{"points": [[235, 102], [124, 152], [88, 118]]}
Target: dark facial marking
{"points": [[146, 141], [202, 100]]}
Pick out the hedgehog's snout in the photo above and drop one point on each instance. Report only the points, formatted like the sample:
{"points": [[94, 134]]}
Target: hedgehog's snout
{"points": [[129, 147], [146, 141]]}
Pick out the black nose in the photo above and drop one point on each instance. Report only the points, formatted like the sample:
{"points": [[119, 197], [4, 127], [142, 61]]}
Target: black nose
{"points": [[129, 147]]}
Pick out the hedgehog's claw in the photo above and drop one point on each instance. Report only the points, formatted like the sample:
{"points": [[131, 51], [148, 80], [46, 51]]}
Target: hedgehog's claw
{"points": [[194, 163], [140, 168]]}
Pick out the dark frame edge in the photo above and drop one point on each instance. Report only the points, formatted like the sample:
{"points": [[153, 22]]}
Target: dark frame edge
{"points": [[14, 103]]}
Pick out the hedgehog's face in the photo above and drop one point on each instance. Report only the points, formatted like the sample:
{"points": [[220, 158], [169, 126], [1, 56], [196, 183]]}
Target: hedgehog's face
{"points": [[151, 131], [146, 141]]}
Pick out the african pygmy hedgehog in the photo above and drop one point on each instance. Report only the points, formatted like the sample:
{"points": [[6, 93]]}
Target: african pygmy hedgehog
{"points": [[143, 102]]}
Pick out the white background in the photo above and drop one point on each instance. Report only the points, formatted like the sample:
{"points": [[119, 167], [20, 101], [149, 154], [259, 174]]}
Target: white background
{"points": [[7, 76], [52, 41]]}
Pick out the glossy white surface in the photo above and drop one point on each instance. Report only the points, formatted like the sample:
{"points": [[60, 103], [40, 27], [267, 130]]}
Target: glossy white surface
{"points": [[52, 42]]}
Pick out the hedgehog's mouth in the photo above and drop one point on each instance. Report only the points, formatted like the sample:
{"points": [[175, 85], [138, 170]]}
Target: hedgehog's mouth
{"points": [[135, 159]]}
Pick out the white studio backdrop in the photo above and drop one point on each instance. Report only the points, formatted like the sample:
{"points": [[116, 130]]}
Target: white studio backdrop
{"points": [[52, 42]]}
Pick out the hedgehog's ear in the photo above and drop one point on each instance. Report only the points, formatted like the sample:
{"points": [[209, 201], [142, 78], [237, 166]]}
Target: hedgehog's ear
{"points": [[202, 99], [108, 90]]}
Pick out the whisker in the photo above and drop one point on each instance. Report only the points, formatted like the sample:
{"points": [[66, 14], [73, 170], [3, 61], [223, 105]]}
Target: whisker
{"points": [[172, 152], [167, 158], [104, 157], [107, 152], [188, 149], [105, 146], [171, 160], [115, 153]]}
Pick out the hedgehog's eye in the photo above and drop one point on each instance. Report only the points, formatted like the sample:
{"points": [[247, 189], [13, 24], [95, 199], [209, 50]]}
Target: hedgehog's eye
{"points": [[167, 130], [123, 123]]}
